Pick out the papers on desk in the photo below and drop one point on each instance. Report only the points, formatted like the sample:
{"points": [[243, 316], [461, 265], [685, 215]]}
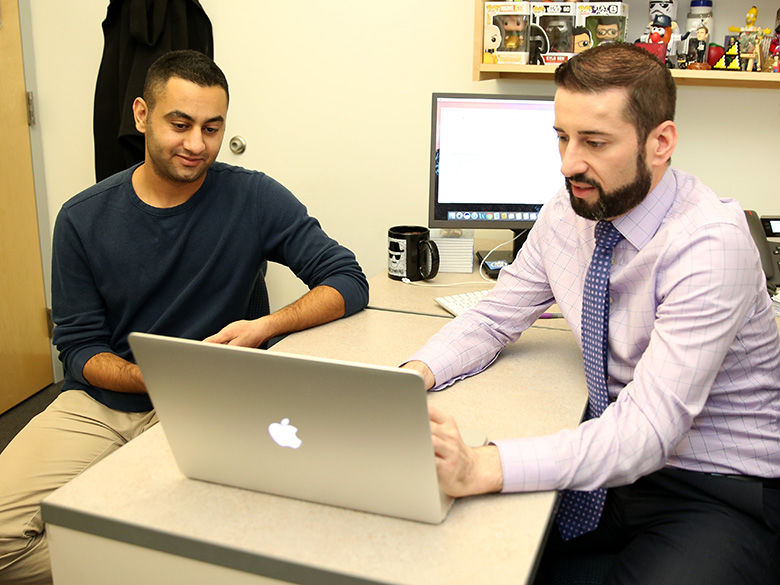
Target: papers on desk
{"points": [[455, 254]]}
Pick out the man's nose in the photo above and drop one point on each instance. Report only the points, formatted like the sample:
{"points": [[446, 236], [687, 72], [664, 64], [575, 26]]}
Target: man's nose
{"points": [[572, 161], [194, 142]]}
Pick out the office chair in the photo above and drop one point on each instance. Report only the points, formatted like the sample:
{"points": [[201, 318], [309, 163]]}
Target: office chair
{"points": [[258, 304]]}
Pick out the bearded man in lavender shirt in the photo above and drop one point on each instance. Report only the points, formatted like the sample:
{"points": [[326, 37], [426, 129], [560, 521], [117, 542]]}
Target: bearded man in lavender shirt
{"points": [[689, 444]]}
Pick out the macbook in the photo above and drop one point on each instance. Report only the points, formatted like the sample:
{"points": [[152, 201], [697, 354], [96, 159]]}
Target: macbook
{"points": [[339, 433]]}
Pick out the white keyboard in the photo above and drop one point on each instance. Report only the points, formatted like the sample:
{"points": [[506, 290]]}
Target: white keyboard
{"points": [[457, 304]]}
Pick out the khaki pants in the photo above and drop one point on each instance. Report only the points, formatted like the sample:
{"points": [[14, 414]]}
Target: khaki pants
{"points": [[72, 434]]}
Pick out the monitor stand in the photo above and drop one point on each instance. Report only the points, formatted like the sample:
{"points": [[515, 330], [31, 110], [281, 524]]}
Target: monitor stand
{"points": [[520, 236]]}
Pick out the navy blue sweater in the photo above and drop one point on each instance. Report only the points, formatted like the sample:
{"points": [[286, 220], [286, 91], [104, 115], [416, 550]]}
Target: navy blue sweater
{"points": [[120, 265]]}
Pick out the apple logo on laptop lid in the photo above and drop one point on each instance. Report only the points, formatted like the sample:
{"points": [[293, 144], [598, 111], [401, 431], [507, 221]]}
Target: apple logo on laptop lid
{"points": [[284, 434]]}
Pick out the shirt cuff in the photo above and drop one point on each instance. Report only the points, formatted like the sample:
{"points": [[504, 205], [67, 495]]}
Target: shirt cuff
{"points": [[442, 368], [528, 464], [76, 362]]}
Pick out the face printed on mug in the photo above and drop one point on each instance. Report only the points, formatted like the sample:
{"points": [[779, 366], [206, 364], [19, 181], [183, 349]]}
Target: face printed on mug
{"points": [[396, 259]]}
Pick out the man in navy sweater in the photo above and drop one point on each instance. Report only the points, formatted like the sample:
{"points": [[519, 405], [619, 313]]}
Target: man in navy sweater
{"points": [[172, 246]]}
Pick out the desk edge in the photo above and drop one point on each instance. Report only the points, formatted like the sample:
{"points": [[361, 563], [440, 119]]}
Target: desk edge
{"points": [[195, 549]]}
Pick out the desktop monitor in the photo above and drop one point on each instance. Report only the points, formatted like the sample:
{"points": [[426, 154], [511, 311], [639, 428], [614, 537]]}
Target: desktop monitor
{"points": [[494, 161]]}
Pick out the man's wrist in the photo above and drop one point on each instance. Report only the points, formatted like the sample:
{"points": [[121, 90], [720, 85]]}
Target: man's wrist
{"points": [[488, 472], [422, 369], [265, 328]]}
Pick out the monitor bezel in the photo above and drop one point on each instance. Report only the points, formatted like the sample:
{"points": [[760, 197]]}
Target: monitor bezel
{"points": [[515, 225]]}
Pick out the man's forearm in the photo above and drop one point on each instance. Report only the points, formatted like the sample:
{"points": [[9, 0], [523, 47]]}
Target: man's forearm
{"points": [[321, 304], [109, 371]]}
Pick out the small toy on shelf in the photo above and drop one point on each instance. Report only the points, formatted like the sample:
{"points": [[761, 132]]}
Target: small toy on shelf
{"points": [[581, 39], [513, 27], [538, 45], [697, 49], [558, 29], [491, 43], [774, 47], [661, 29], [656, 41], [731, 59], [506, 33], [663, 15], [751, 39], [608, 29], [553, 26], [714, 53]]}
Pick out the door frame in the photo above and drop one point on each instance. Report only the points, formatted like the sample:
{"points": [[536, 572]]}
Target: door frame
{"points": [[39, 176]]}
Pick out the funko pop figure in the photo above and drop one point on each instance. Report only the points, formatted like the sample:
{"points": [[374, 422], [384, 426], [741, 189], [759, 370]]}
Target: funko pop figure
{"points": [[581, 39], [607, 29], [492, 42], [559, 32], [513, 29]]}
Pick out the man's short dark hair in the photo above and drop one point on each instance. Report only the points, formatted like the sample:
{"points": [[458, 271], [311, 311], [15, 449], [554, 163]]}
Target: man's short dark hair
{"points": [[188, 65], [652, 94]]}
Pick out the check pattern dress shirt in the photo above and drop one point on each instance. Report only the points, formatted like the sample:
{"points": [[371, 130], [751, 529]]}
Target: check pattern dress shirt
{"points": [[694, 350]]}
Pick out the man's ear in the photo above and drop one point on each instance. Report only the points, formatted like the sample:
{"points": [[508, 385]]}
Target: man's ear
{"points": [[140, 112], [661, 144]]}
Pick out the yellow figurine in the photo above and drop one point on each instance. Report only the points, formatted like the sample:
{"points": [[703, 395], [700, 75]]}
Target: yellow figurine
{"points": [[492, 41], [750, 39]]}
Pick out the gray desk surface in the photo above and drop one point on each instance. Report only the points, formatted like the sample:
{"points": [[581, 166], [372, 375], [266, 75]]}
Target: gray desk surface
{"points": [[393, 295], [138, 497]]}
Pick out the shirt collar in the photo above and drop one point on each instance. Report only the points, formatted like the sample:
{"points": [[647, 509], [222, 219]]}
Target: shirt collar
{"points": [[640, 224]]}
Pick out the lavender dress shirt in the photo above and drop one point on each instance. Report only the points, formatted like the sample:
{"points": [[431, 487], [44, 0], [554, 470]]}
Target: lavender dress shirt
{"points": [[694, 350]]}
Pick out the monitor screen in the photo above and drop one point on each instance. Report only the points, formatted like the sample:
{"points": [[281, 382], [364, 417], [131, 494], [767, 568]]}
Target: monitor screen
{"points": [[494, 160]]}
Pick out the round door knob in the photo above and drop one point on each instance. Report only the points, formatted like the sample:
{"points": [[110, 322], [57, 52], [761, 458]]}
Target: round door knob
{"points": [[237, 144]]}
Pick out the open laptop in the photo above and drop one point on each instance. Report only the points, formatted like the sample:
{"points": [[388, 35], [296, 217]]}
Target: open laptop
{"points": [[327, 431]]}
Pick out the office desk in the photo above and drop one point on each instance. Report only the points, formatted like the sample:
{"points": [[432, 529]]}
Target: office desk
{"points": [[393, 295], [134, 518]]}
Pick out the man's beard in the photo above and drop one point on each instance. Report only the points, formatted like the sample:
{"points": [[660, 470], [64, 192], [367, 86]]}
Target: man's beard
{"points": [[617, 202]]}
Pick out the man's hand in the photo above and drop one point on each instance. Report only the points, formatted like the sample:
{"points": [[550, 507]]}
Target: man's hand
{"points": [[244, 333], [463, 471]]}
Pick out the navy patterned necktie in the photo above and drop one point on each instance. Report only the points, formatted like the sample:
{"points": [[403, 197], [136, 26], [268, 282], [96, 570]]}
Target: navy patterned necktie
{"points": [[579, 512]]}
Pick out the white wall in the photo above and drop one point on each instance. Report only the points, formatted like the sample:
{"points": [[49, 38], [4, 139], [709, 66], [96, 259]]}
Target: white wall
{"points": [[337, 97]]}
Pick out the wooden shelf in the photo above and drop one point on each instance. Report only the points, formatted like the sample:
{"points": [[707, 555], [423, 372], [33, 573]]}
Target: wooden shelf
{"points": [[709, 78], [681, 76]]}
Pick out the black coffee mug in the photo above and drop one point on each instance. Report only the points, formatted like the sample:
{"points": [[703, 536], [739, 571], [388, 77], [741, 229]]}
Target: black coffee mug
{"points": [[411, 253]]}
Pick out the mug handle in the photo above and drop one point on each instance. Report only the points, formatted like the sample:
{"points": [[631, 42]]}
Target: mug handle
{"points": [[429, 256]]}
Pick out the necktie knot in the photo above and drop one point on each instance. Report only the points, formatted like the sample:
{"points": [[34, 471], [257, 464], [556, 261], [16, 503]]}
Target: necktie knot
{"points": [[607, 235]]}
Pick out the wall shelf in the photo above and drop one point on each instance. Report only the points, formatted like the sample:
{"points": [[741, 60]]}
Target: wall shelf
{"points": [[710, 78]]}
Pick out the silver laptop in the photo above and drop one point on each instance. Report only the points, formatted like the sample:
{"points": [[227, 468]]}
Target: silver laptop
{"points": [[339, 433]]}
